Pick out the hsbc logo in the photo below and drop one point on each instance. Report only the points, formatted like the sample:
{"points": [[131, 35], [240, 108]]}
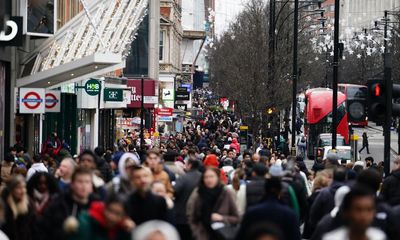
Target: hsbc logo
{"points": [[12, 35]]}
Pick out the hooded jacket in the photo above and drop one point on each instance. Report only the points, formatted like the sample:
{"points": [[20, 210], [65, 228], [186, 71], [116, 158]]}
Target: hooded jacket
{"points": [[121, 183], [235, 145]]}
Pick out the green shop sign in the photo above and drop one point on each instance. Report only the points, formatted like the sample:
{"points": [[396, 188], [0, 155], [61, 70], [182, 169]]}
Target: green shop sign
{"points": [[113, 95], [93, 87]]}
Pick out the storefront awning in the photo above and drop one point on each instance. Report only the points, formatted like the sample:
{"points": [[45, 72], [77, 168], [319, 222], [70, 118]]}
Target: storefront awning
{"points": [[73, 71], [95, 41]]}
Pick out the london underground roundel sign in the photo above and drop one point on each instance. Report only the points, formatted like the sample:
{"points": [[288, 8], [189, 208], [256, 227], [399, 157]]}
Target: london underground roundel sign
{"points": [[32, 100], [51, 100]]}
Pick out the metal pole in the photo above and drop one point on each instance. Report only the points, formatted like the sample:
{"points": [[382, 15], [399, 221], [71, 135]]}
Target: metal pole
{"points": [[389, 85], [142, 114], [335, 74], [295, 73]]}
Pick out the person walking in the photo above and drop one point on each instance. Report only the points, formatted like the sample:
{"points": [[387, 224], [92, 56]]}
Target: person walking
{"points": [[365, 143], [18, 214], [273, 212], [211, 203], [183, 189], [390, 191]]}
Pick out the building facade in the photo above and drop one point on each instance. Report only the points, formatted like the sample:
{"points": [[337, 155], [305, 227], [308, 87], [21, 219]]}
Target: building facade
{"points": [[78, 44]]}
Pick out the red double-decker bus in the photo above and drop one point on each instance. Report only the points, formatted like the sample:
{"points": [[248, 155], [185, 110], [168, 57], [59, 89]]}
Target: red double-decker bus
{"points": [[318, 117]]}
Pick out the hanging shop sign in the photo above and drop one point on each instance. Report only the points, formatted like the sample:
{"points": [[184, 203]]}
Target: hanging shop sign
{"points": [[188, 86], [32, 100], [53, 101], [182, 107], [136, 92], [113, 95], [12, 34], [165, 118], [164, 111], [168, 94], [150, 99], [93, 87], [182, 95]]}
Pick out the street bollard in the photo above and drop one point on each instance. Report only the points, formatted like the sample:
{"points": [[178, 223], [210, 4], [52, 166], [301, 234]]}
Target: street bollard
{"points": [[354, 145]]}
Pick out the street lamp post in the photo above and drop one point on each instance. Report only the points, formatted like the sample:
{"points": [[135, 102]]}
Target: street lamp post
{"points": [[142, 113], [388, 83], [295, 73], [335, 73]]}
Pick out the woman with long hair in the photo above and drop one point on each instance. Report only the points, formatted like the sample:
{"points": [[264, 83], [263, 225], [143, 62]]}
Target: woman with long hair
{"points": [[18, 216], [41, 188], [211, 203]]}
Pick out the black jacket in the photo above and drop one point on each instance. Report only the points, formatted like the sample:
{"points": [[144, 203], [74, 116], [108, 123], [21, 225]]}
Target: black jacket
{"points": [[390, 189], [183, 189], [50, 224], [148, 207], [254, 191], [274, 213], [324, 203], [20, 228]]}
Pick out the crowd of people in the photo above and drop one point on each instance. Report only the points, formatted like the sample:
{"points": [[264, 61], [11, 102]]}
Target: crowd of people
{"points": [[199, 184]]}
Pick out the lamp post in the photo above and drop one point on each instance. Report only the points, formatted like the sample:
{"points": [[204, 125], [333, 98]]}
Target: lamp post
{"points": [[387, 58], [335, 73], [142, 113], [295, 73]]}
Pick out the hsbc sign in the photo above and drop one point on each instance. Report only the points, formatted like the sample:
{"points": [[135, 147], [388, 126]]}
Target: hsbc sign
{"points": [[12, 34]]}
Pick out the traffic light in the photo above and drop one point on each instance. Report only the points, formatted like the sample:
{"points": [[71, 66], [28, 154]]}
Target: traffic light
{"points": [[377, 101]]}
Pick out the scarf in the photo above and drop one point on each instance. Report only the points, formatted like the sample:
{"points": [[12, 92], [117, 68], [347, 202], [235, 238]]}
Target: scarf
{"points": [[40, 200], [208, 198]]}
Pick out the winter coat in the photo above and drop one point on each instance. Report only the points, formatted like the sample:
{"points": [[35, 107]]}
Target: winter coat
{"points": [[235, 145], [324, 203], [254, 191], [183, 189], [224, 206], [163, 177], [142, 208], [92, 225], [19, 228], [50, 224], [390, 191], [273, 212]]}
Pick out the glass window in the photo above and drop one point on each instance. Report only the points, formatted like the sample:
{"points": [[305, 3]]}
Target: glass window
{"points": [[356, 92], [162, 46], [137, 63]]}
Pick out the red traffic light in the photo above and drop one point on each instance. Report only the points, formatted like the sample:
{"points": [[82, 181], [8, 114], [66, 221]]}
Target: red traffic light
{"points": [[376, 90]]}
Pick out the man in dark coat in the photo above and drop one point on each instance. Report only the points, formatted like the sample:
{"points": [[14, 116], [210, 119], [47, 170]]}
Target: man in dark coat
{"points": [[183, 189], [70, 204], [390, 189], [325, 201], [255, 187], [143, 205], [271, 212]]}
